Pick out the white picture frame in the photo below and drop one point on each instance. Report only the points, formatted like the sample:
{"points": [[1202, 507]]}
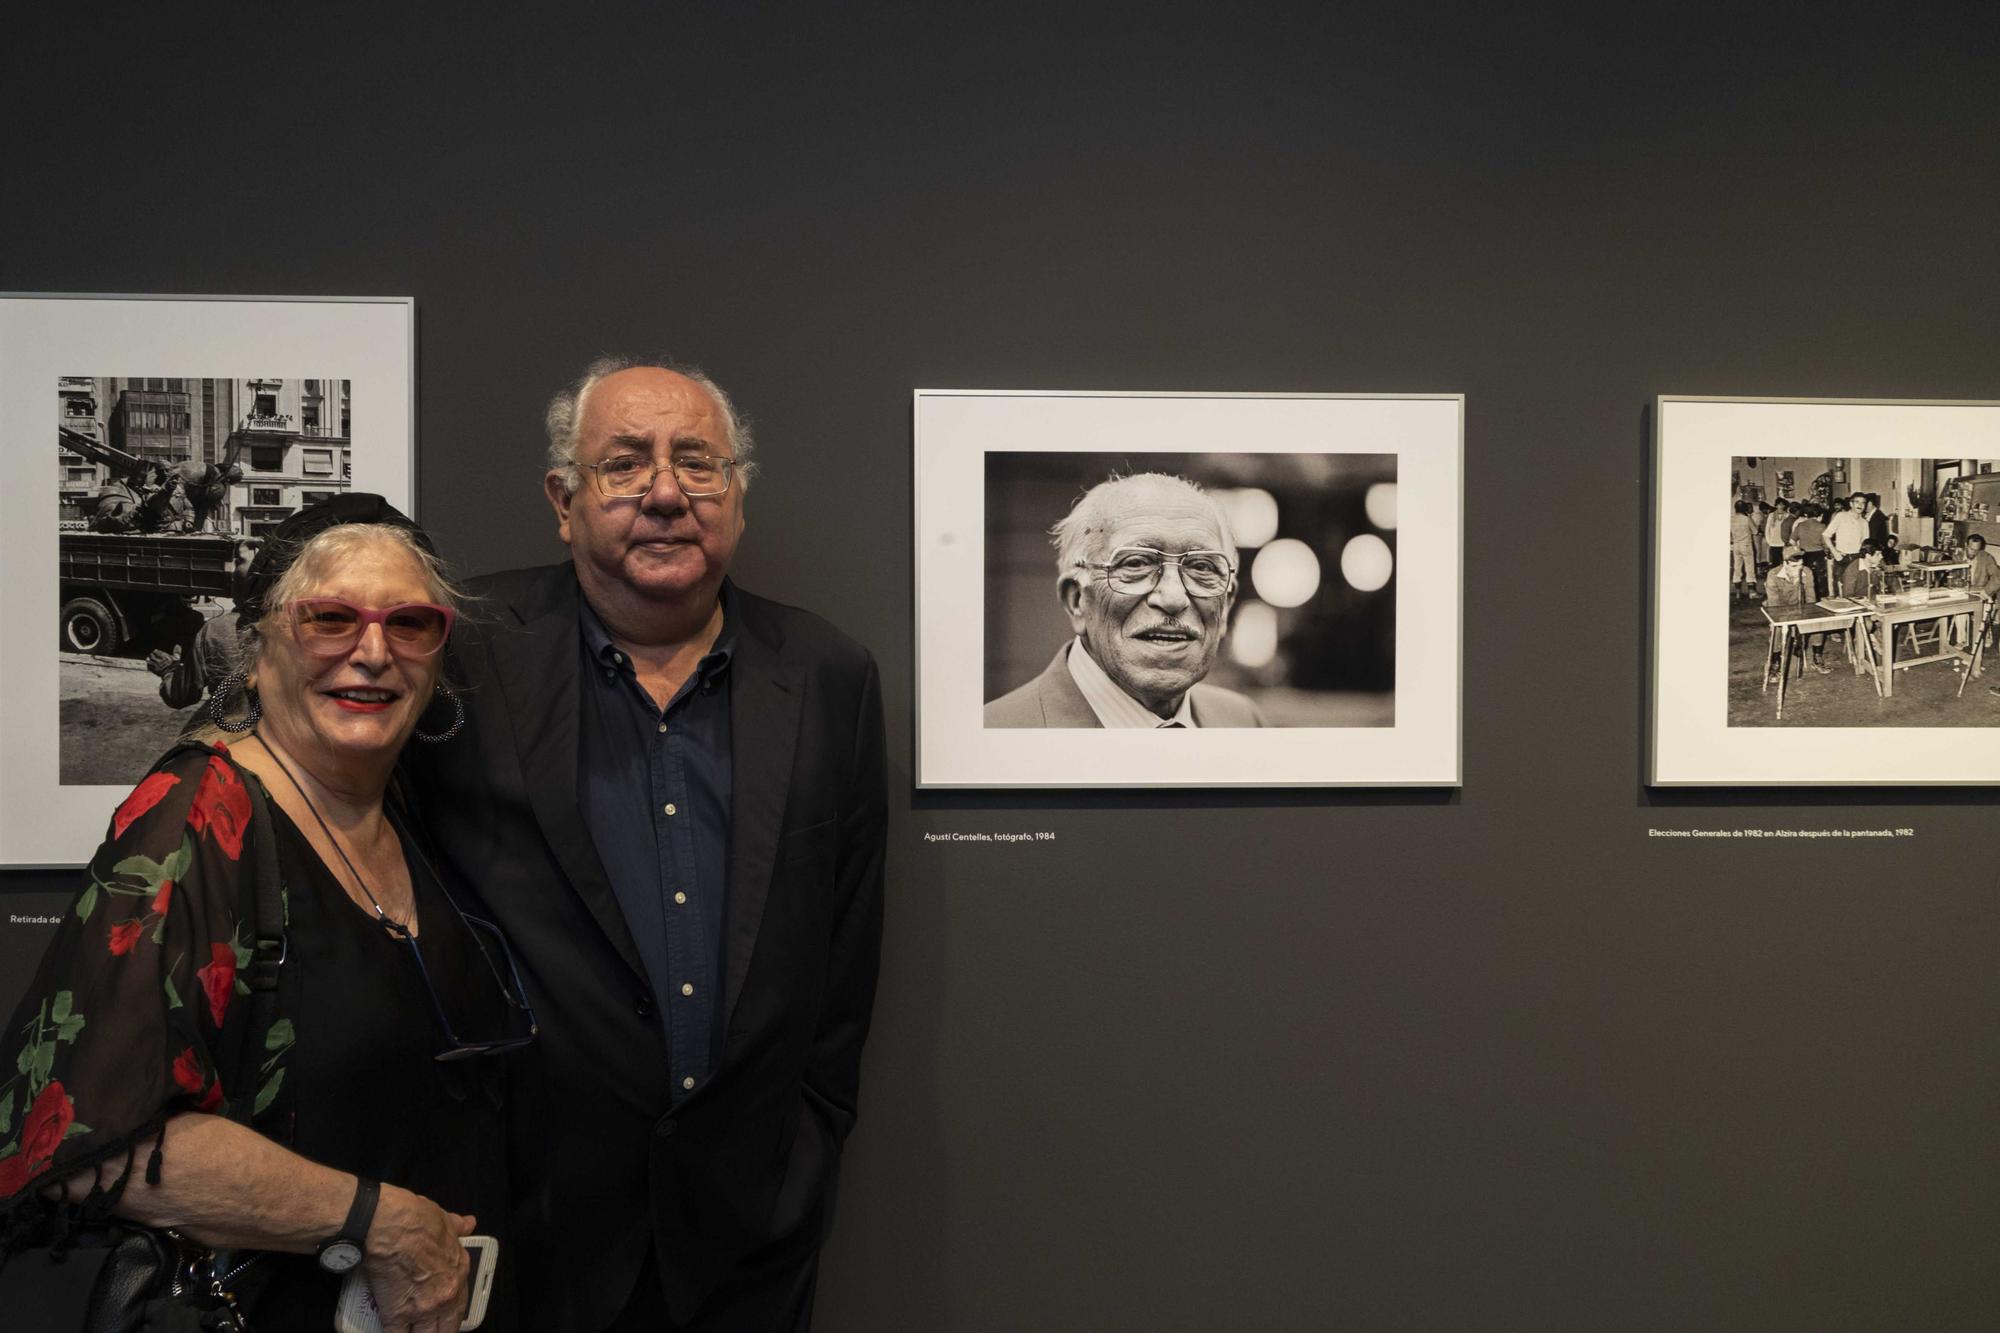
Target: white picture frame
{"points": [[1692, 739], [48, 338], [959, 432]]}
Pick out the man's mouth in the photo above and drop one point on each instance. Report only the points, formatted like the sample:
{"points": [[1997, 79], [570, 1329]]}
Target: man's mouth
{"points": [[1167, 634], [362, 699]]}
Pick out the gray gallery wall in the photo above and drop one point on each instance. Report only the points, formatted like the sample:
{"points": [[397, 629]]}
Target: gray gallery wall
{"points": [[1485, 1059]]}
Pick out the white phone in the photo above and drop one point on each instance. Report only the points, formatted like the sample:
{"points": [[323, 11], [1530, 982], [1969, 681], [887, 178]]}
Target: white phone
{"points": [[356, 1312]]}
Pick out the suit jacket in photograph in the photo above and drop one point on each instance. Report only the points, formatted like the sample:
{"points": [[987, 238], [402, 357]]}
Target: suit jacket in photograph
{"points": [[1053, 700], [738, 1181]]}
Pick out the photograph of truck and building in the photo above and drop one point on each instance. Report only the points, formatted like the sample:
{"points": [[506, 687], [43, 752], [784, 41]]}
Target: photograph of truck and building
{"points": [[165, 489]]}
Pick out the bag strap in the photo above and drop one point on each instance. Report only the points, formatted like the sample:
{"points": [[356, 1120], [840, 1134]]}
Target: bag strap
{"points": [[267, 949]]}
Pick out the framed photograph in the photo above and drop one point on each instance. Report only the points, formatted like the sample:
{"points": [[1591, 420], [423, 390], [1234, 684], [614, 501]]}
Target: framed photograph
{"points": [[1824, 592], [179, 431], [1187, 590]]}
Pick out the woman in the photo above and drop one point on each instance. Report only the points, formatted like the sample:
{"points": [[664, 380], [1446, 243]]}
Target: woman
{"points": [[134, 1032]]}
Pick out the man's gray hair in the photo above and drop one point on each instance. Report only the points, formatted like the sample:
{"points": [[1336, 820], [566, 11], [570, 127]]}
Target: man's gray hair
{"points": [[565, 414], [1104, 504]]}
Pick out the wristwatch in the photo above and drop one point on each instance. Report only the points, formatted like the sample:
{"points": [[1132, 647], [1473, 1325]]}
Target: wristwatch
{"points": [[343, 1250]]}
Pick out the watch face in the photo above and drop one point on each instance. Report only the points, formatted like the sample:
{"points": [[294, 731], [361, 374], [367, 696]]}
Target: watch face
{"points": [[339, 1256]]}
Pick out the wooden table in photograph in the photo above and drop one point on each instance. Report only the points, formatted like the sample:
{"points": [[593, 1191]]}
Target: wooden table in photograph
{"points": [[1789, 626], [1889, 618]]}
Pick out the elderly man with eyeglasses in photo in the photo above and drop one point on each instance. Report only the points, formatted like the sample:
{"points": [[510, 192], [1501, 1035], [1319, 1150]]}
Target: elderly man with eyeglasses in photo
{"points": [[1146, 572], [672, 794]]}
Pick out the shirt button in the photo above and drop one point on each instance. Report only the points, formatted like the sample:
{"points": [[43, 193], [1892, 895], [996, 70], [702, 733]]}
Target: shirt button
{"points": [[663, 728], [670, 807], [687, 1083], [680, 897], [687, 988], [617, 657]]}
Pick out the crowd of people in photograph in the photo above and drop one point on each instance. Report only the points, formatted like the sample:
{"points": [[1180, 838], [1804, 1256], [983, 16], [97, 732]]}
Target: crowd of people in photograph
{"points": [[1793, 553]]}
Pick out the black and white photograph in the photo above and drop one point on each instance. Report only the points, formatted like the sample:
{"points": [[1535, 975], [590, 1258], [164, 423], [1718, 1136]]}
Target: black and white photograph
{"points": [[167, 488], [1190, 590], [181, 431], [1859, 597], [1226, 572], [1861, 592]]}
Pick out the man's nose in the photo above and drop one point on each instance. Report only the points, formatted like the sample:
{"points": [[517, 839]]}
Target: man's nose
{"points": [[1170, 593], [665, 492]]}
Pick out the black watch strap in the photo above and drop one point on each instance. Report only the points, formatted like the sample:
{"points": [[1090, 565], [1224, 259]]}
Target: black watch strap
{"points": [[340, 1252]]}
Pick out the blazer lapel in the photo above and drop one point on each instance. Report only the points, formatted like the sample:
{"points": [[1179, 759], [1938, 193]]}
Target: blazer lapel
{"points": [[537, 668], [765, 698], [1063, 704]]}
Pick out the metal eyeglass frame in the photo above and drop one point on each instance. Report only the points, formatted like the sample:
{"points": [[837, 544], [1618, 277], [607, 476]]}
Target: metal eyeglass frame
{"points": [[728, 466], [1104, 567]]}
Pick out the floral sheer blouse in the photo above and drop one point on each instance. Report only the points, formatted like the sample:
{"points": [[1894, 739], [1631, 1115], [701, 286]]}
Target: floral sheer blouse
{"points": [[138, 1012]]}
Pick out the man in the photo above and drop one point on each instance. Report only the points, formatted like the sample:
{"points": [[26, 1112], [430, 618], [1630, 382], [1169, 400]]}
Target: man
{"points": [[1878, 522], [1743, 550], [1775, 525], [1844, 536], [1790, 586], [1809, 535], [1865, 577], [1760, 521], [672, 795], [1146, 572]]}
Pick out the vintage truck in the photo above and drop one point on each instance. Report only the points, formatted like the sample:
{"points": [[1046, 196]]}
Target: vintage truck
{"points": [[128, 592]]}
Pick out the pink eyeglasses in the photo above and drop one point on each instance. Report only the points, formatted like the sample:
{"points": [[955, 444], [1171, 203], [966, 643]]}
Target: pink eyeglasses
{"points": [[328, 627]]}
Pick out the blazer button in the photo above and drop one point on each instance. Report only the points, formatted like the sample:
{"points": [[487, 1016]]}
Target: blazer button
{"points": [[666, 1128], [644, 1006]]}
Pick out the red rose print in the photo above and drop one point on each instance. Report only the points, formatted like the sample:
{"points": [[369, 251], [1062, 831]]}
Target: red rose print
{"points": [[221, 808], [143, 798], [160, 898], [218, 979], [124, 935], [13, 1175], [189, 1078], [44, 1126]]}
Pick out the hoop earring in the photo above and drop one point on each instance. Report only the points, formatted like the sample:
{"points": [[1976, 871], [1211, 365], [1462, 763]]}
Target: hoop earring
{"points": [[218, 705], [457, 721]]}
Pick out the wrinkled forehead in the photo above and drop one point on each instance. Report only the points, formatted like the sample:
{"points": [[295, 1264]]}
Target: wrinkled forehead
{"points": [[1174, 521], [648, 405]]}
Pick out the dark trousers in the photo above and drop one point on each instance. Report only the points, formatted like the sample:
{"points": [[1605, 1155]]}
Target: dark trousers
{"points": [[779, 1305]]}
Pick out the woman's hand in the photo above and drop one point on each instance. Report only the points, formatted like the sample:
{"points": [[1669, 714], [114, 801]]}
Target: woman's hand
{"points": [[415, 1265]]}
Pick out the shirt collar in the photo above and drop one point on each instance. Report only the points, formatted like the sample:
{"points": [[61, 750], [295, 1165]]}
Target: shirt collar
{"points": [[597, 640], [1113, 706]]}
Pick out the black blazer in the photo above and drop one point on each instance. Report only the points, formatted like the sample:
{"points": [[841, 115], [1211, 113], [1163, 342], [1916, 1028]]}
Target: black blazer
{"points": [[738, 1181]]}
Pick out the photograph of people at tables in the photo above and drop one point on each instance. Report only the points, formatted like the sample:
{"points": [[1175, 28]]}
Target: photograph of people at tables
{"points": [[1862, 592]]}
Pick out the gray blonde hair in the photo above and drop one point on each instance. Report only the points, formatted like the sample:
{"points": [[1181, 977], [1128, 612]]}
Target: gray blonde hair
{"points": [[316, 558], [565, 415], [1103, 504]]}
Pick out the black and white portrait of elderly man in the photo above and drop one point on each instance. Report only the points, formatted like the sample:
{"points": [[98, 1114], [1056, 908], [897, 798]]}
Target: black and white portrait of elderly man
{"points": [[1146, 572]]}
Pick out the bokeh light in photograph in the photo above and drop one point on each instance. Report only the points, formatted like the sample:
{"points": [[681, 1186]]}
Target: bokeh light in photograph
{"points": [[1286, 572], [1252, 514], [1381, 505], [1253, 639], [1366, 562]]}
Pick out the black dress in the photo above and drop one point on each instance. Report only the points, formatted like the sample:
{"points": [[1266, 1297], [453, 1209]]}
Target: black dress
{"points": [[136, 1015]]}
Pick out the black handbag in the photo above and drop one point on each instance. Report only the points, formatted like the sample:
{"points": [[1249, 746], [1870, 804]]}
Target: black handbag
{"points": [[119, 1277]]}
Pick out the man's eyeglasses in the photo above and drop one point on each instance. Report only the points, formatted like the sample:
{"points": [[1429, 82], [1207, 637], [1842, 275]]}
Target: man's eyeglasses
{"points": [[328, 627], [1136, 570], [629, 476]]}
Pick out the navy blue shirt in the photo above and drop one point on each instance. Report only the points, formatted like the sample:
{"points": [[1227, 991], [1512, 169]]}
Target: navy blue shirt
{"points": [[654, 784]]}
